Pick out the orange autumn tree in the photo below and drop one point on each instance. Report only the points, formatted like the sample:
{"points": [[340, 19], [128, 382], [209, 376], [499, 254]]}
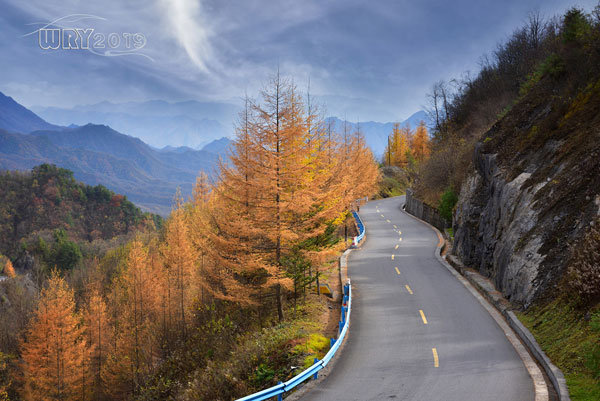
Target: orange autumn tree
{"points": [[233, 236], [96, 319], [180, 257], [325, 179], [134, 347], [9, 270], [402, 146], [390, 154], [364, 169], [54, 351], [399, 148], [421, 145], [267, 191]]}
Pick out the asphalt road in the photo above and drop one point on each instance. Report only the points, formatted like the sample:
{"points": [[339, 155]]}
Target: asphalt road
{"points": [[390, 352]]}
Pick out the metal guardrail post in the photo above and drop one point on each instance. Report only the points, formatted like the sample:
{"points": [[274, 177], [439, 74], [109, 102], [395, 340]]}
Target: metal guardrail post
{"points": [[280, 396], [316, 375]]}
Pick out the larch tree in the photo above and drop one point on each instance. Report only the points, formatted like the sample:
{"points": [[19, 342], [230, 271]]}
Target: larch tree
{"points": [[233, 238], [97, 332], [402, 146], [268, 186], [132, 357], [421, 145], [180, 257], [9, 270], [365, 173], [54, 351]]}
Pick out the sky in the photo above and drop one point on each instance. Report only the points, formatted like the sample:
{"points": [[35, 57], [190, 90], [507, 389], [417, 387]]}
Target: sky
{"points": [[365, 60]]}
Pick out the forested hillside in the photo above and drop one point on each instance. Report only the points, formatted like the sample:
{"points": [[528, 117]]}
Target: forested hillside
{"points": [[214, 305], [48, 204]]}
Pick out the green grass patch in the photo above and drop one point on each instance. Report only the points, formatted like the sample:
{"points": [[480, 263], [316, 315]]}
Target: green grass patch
{"points": [[571, 338], [316, 346]]}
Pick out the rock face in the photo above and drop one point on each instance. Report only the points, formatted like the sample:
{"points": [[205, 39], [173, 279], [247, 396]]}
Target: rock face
{"points": [[492, 216], [533, 193]]}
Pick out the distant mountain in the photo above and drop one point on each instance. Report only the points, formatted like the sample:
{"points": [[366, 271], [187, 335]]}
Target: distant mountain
{"points": [[23, 152], [156, 122], [376, 133], [218, 146], [98, 154], [16, 118]]}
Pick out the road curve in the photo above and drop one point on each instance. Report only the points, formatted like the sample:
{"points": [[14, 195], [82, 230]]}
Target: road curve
{"points": [[459, 354]]}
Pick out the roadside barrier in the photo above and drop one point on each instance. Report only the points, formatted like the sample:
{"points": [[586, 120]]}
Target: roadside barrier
{"points": [[361, 229], [313, 371]]}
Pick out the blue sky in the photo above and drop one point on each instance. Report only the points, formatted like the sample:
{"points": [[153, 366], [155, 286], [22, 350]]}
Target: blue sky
{"points": [[367, 60]]}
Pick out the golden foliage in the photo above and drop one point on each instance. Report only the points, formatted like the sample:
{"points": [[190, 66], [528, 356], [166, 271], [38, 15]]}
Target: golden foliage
{"points": [[54, 352]]}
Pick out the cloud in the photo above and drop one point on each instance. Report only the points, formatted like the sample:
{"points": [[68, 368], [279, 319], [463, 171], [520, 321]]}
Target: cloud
{"points": [[371, 60], [189, 27]]}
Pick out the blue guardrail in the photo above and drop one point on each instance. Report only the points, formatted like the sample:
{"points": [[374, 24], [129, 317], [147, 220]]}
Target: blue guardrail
{"points": [[361, 229], [313, 371]]}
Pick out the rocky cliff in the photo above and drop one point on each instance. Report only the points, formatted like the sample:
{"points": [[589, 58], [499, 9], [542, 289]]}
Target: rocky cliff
{"points": [[534, 189]]}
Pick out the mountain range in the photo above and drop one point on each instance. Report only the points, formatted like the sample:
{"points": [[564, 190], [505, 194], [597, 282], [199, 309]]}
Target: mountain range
{"points": [[190, 124], [137, 165], [156, 122], [97, 154]]}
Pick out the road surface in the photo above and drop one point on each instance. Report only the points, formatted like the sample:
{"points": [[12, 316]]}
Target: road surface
{"points": [[416, 332]]}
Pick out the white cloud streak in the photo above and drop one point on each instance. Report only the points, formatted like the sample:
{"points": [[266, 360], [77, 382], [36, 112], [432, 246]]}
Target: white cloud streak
{"points": [[190, 29]]}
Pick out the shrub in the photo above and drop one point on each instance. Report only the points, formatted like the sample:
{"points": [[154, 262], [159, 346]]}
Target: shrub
{"points": [[552, 66], [447, 203]]}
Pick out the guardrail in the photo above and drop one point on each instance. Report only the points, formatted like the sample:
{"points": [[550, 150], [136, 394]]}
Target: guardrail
{"points": [[313, 371], [361, 229]]}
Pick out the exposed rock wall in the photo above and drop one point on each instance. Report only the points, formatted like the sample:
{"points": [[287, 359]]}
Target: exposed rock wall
{"points": [[492, 216], [534, 191]]}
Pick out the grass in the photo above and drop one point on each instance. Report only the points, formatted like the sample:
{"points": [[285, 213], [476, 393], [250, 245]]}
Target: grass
{"points": [[571, 338], [316, 346]]}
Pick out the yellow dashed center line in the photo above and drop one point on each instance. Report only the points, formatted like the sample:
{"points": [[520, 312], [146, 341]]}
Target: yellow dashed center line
{"points": [[410, 292], [400, 239], [392, 256], [395, 226], [396, 247], [382, 216], [388, 221], [436, 360], [400, 232], [397, 270], [423, 316]]}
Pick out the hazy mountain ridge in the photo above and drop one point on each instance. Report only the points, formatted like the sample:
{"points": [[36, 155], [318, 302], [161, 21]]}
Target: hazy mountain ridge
{"points": [[191, 124], [98, 154], [156, 122], [16, 118]]}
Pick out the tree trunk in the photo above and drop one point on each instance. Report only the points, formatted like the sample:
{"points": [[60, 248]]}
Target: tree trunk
{"points": [[279, 303]]}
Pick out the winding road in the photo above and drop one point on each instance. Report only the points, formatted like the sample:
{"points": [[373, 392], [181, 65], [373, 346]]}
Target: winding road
{"points": [[416, 332]]}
